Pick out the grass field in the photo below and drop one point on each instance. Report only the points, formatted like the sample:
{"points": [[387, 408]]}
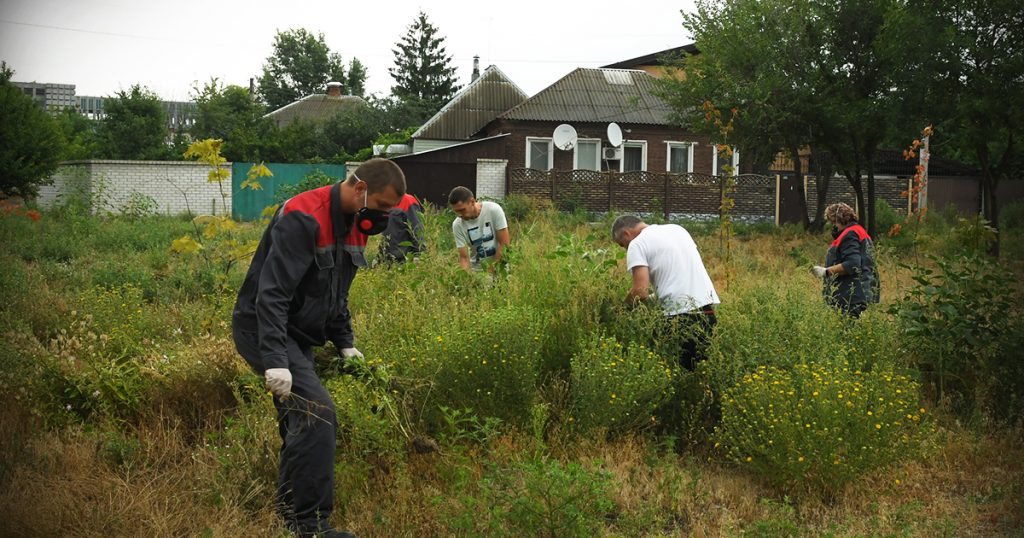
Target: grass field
{"points": [[529, 404]]}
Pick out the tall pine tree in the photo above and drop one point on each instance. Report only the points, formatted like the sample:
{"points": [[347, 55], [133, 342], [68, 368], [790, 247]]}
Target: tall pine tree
{"points": [[424, 78]]}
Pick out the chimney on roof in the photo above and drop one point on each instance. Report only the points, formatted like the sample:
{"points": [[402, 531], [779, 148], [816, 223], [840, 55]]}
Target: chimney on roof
{"points": [[476, 68], [333, 89]]}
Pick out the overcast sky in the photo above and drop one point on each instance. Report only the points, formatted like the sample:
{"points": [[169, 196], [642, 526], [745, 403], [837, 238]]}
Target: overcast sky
{"points": [[102, 46]]}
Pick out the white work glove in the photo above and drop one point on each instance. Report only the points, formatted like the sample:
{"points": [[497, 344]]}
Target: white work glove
{"points": [[279, 381], [349, 352], [818, 271]]}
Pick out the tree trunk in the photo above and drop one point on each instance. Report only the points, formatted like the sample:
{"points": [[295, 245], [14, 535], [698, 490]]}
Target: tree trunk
{"points": [[823, 176]]}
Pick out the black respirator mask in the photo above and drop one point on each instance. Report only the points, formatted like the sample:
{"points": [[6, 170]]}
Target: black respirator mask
{"points": [[370, 221], [835, 232]]}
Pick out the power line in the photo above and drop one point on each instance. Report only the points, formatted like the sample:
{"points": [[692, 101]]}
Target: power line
{"points": [[80, 30]]}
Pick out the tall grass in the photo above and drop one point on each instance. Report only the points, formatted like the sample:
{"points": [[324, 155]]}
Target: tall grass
{"points": [[126, 410]]}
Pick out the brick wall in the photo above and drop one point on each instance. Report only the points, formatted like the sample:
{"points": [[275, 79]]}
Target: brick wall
{"points": [[175, 186], [647, 192], [490, 178], [888, 188]]}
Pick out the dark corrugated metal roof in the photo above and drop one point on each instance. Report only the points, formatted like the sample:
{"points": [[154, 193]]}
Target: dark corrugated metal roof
{"points": [[654, 58], [314, 107], [596, 95], [474, 107]]}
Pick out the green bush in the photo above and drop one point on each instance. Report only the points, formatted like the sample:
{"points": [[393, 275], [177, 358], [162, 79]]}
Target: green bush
{"points": [[314, 179], [1011, 216], [780, 324], [618, 387], [483, 361], [820, 424], [961, 320], [886, 216], [367, 422], [537, 498]]}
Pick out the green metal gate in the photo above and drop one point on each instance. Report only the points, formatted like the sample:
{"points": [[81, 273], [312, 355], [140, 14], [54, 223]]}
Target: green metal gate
{"points": [[248, 204]]}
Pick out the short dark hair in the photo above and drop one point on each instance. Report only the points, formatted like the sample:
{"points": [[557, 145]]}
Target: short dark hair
{"points": [[459, 195], [623, 223], [379, 174]]}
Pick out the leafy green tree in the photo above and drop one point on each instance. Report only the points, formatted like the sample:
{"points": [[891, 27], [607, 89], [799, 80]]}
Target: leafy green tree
{"points": [[827, 74], [134, 126], [424, 77], [30, 143], [79, 134], [771, 97], [972, 82], [302, 64], [230, 114]]}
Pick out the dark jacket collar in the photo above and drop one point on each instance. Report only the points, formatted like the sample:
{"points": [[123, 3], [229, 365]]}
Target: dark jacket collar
{"points": [[339, 221]]}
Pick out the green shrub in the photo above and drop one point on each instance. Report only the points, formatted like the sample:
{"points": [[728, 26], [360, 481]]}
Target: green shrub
{"points": [[780, 324], [820, 424], [537, 498], [886, 216], [313, 180], [618, 387], [1011, 216], [367, 424], [483, 361], [960, 320]]}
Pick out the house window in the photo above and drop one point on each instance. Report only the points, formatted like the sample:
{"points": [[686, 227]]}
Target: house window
{"points": [[587, 155], [718, 162], [680, 157], [539, 155], [634, 156]]}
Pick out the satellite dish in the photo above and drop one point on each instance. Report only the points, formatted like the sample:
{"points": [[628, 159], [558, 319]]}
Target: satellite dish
{"points": [[564, 137], [614, 134]]}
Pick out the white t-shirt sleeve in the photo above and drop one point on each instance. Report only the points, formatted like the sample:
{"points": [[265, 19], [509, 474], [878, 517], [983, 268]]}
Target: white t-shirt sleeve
{"points": [[461, 238], [635, 256], [499, 218]]}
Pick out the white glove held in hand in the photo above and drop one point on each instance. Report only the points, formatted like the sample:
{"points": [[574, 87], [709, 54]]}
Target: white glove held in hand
{"points": [[351, 352], [279, 381], [818, 271]]}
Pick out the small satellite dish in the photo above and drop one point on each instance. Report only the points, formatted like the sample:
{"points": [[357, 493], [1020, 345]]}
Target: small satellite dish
{"points": [[614, 134], [564, 137]]}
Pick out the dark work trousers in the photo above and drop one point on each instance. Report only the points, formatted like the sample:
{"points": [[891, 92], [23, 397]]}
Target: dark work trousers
{"points": [[308, 425], [688, 335]]}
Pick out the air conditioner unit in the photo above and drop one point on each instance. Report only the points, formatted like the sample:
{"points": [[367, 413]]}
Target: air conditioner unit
{"points": [[611, 154]]}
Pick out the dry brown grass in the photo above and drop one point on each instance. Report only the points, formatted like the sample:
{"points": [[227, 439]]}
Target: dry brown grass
{"points": [[66, 484]]}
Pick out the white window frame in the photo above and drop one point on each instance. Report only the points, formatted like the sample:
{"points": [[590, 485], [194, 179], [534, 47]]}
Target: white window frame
{"points": [[597, 154], [643, 154], [551, 150], [689, 154], [714, 160]]}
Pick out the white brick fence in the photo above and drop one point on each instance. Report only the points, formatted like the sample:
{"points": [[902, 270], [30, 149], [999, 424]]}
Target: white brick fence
{"points": [[490, 178], [174, 186]]}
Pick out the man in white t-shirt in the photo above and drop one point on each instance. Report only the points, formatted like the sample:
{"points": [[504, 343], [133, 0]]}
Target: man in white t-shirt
{"points": [[665, 256], [480, 230]]}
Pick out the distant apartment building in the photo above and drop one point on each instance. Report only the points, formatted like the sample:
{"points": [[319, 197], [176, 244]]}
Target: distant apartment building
{"points": [[180, 115], [52, 97]]}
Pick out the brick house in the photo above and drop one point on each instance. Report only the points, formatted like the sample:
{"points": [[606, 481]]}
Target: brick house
{"points": [[493, 121]]}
